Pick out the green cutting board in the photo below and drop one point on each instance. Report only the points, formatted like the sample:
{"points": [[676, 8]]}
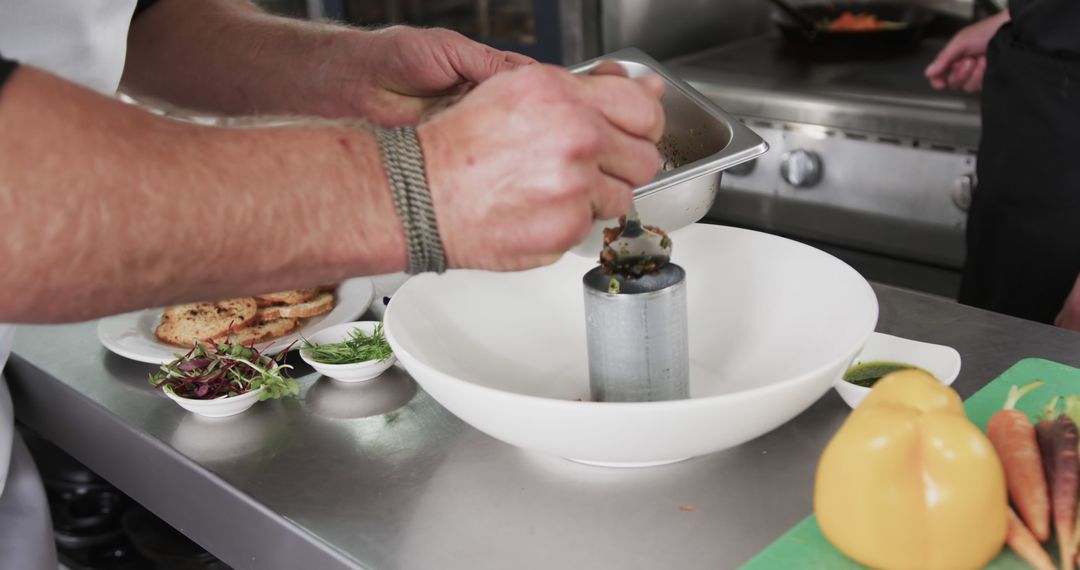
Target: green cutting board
{"points": [[805, 547]]}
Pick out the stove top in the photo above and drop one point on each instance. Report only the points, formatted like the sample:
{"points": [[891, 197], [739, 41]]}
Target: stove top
{"points": [[886, 96]]}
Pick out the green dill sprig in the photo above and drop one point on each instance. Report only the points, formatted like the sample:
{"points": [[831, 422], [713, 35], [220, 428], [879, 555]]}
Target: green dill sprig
{"points": [[359, 347]]}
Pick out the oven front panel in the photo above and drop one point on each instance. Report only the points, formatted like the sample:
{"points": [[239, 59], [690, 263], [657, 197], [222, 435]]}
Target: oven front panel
{"points": [[885, 197]]}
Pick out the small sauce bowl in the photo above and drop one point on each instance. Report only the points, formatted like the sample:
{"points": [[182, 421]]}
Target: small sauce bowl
{"points": [[355, 372], [943, 362]]}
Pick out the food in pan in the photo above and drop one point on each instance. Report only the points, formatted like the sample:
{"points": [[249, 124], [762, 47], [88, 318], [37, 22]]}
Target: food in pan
{"points": [[246, 320], [852, 22], [677, 152]]}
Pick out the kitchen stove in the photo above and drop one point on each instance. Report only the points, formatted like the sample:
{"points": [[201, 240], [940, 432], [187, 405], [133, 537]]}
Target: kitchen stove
{"points": [[866, 161]]}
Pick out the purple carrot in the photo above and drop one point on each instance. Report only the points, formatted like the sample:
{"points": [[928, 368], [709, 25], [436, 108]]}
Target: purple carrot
{"points": [[1058, 438]]}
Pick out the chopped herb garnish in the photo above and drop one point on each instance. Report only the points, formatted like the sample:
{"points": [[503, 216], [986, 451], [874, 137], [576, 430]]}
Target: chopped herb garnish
{"points": [[359, 347], [226, 369]]}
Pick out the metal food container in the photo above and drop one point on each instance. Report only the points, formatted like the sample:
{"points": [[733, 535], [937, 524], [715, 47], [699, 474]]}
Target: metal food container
{"points": [[638, 338], [700, 141]]}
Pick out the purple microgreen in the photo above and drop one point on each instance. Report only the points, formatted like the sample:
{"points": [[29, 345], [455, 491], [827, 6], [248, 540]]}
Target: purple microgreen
{"points": [[225, 369]]}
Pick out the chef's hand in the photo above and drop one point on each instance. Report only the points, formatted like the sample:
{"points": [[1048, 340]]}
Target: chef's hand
{"points": [[962, 63], [1069, 317], [520, 168], [395, 75]]}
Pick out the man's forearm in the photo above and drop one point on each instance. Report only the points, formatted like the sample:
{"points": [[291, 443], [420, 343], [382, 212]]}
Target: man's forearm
{"points": [[228, 56], [105, 208]]}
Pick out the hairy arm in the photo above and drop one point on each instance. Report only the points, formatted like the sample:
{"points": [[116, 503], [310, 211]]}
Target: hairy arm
{"points": [[228, 56], [105, 208]]}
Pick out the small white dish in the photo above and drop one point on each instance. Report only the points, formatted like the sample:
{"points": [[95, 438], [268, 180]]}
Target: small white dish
{"points": [[356, 372], [219, 408], [943, 362]]}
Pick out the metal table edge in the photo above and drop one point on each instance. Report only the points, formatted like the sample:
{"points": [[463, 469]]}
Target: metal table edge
{"points": [[86, 433]]}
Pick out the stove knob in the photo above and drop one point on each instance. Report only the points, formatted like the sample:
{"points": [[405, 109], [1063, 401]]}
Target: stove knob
{"points": [[962, 189], [801, 168]]}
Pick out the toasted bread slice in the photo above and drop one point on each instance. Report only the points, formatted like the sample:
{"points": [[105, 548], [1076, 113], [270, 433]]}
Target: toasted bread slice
{"points": [[262, 330], [292, 297], [322, 303], [182, 324]]}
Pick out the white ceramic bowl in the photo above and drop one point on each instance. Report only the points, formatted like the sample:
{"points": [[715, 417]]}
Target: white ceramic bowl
{"points": [[772, 324], [941, 361], [219, 408], [357, 372]]}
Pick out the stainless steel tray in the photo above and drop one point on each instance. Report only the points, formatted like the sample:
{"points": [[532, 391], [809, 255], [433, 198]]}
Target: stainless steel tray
{"points": [[699, 139]]}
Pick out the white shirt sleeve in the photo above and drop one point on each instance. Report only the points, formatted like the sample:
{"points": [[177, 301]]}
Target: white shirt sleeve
{"points": [[7, 432], [7, 415]]}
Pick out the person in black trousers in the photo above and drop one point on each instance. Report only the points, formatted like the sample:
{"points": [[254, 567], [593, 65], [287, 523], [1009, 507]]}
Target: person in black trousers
{"points": [[1023, 245]]}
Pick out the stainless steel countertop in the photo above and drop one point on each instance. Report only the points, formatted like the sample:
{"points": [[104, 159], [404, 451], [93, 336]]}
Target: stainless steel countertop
{"points": [[380, 476]]}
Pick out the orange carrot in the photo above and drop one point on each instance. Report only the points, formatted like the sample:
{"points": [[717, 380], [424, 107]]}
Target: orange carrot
{"points": [[1058, 438], [1014, 440], [1024, 544]]}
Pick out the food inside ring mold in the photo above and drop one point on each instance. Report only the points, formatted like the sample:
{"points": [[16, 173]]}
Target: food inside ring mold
{"points": [[632, 250], [636, 318]]}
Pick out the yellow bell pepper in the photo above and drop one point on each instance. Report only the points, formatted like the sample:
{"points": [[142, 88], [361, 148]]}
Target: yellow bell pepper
{"points": [[909, 483]]}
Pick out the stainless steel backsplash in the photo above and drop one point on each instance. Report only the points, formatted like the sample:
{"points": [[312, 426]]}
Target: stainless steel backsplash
{"points": [[668, 28]]}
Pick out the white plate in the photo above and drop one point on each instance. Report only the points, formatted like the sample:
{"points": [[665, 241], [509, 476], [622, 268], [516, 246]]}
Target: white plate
{"points": [[772, 324], [131, 335]]}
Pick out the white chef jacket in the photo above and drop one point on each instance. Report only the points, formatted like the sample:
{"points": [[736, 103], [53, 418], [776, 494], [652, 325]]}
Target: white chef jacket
{"points": [[84, 41], [7, 418]]}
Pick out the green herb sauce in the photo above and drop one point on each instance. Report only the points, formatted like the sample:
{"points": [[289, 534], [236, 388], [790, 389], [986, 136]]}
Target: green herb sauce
{"points": [[865, 374]]}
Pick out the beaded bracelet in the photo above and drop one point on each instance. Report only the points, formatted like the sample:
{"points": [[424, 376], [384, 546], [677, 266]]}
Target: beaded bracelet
{"points": [[404, 163]]}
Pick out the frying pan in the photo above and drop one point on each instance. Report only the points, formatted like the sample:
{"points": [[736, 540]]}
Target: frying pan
{"points": [[798, 30]]}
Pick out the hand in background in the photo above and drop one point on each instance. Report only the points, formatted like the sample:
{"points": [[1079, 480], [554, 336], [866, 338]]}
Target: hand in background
{"points": [[520, 168], [396, 75], [1069, 317], [962, 63]]}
